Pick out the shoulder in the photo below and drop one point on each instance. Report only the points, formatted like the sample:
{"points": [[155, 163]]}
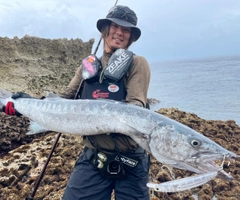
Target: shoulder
{"points": [[139, 59], [140, 62]]}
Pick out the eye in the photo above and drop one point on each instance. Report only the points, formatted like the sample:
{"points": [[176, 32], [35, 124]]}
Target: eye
{"points": [[196, 143], [127, 30], [114, 25]]}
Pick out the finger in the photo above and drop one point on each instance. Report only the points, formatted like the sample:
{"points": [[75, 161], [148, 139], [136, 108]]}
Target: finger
{"points": [[7, 108], [17, 95]]}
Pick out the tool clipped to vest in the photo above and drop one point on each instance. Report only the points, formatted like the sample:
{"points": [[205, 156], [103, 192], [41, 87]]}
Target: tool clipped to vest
{"points": [[91, 68], [118, 64]]}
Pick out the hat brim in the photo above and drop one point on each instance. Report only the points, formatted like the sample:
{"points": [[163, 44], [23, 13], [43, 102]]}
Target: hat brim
{"points": [[135, 30]]}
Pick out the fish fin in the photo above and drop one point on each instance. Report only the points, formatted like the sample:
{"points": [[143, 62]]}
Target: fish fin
{"points": [[138, 136], [4, 94], [162, 158], [35, 128], [52, 97]]}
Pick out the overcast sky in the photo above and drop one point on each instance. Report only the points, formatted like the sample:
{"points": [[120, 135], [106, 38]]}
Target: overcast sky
{"points": [[171, 29]]}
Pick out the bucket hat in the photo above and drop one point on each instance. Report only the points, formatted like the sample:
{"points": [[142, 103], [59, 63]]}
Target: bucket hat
{"points": [[123, 16]]}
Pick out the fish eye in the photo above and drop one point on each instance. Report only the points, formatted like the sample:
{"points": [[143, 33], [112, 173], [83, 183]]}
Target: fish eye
{"points": [[195, 143]]}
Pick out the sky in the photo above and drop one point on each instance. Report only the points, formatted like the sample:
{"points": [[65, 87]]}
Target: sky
{"points": [[171, 29]]}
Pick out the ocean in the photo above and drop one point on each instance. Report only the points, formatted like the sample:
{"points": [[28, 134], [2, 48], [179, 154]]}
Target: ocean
{"points": [[207, 87]]}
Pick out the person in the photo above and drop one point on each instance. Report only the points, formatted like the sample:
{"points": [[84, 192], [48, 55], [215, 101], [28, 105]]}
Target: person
{"points": [[87, 181], [111, 163]]}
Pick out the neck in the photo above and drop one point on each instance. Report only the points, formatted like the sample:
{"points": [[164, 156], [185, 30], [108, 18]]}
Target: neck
{"points": [[108, 48]]}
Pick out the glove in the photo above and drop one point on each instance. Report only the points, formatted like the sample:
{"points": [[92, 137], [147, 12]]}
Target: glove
{"points": [[9, 108]]}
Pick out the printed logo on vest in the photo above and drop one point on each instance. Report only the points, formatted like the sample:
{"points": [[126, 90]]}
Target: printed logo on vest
{"points": [[97, 94], [113, 88], [91, 58]]}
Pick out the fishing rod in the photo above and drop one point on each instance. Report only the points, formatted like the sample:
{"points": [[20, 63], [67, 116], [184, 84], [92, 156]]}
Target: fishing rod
{"points": [[100, 40], [37, 183]]}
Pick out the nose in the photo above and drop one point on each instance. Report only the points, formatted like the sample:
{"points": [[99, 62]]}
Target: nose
{"points": [[119, 30]]}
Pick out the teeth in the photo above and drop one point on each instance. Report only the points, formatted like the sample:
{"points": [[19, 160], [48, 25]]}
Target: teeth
{"points": [[223, 161], [229, 163], [220, 167]]}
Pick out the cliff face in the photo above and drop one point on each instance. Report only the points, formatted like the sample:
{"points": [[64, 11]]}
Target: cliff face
{"points": [[34, 65]]}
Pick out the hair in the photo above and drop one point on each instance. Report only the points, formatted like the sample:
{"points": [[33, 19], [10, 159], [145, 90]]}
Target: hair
{"points": [[105, 33]]}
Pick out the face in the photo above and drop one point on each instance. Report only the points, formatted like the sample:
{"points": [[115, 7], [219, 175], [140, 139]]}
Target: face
{"points": [[118, 37]]}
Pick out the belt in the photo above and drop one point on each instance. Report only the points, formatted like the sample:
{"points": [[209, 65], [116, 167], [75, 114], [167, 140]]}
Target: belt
{"points": [[90, 152], [139, 150]]}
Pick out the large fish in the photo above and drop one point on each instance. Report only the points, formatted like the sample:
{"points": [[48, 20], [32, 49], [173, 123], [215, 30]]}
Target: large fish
{"points": [[169, 141]]}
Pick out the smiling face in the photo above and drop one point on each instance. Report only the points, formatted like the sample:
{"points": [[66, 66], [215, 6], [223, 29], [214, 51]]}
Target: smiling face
{"points": [[118, 37]]}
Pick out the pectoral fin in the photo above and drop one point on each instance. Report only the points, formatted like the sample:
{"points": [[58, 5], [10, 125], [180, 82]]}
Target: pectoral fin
{"points": [[35, 128]]}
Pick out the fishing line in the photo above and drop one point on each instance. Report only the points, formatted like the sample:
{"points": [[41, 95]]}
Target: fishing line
{"points": [[100, 40], [170, 168]]}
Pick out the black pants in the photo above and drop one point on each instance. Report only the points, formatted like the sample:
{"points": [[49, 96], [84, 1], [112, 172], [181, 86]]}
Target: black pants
{"points": [[86, 183]]}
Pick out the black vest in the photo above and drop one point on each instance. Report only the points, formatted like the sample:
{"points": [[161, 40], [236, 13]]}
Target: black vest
{"points": [[108, 89]]}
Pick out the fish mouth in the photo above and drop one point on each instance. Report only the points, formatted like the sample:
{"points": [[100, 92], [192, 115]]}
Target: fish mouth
{"points": [[209, 162]]}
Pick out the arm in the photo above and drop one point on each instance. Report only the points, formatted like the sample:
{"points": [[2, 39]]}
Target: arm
{"points": [[137, 81], [73, 86]]}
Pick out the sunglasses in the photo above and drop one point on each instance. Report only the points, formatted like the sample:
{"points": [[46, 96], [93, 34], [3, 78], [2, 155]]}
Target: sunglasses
{"points": [[118, 12]]}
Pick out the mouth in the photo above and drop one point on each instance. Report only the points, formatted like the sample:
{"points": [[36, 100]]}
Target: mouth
{"points": [[219, 167], [118, 40], [210, 163]]}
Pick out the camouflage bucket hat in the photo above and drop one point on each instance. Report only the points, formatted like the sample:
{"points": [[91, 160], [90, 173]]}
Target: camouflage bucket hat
{"points": [[123, 16]]}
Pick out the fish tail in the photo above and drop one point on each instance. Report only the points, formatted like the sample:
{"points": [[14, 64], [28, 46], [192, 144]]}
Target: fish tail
{"points": [[4, 94], [4, 97], [35, 128]]}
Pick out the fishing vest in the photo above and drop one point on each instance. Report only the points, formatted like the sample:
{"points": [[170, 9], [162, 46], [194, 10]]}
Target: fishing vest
{"points": [[106, 83]]}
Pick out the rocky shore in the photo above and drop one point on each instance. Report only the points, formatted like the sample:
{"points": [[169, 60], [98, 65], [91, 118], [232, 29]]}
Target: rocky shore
{"points": [[35, 65]]}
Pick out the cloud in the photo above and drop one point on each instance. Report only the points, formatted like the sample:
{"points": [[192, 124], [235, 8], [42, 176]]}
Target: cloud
{"points": [[171, 29]]}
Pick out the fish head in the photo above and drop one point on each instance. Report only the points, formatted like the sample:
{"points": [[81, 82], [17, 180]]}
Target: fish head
{"points": [[182, 147]]}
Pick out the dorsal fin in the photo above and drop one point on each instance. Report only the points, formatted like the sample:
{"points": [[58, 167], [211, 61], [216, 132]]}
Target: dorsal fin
{"points": [[50, 96]]}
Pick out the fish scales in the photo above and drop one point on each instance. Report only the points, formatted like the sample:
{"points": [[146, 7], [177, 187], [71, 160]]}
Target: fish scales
{"points": [[85, 116], [169, 141]]}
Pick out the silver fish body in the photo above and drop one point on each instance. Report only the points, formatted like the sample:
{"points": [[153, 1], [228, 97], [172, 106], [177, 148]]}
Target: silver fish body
{"points": [[169, 141]]}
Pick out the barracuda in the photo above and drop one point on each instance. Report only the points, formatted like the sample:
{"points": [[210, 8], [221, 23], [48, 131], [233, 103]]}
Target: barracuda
{"points": [[169, 141]]}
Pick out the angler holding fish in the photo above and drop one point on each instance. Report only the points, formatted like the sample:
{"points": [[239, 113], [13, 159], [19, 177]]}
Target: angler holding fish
{"points": [[118, 135]]}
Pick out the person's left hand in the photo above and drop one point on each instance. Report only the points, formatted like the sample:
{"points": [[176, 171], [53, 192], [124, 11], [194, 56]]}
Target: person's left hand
{"points": [[10, 110], [18, 95], [9, 107]]}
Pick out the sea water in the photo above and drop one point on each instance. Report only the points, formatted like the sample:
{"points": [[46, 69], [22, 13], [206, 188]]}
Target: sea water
{"points": [[208, 87]]}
